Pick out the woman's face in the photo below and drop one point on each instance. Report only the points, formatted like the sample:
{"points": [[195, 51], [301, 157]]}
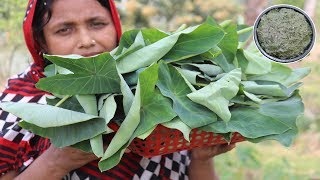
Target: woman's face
{"points": [[82, 27]]}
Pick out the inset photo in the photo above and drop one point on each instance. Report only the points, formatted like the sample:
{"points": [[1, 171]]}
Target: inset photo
{"points": [[284, 33]]}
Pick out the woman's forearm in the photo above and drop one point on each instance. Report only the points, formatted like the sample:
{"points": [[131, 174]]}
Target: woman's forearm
{"points": [[55, 163], [203, 170], [42, 168]]}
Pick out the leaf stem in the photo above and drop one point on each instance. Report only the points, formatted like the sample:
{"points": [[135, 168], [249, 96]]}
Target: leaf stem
{"points": [[225, 23], [181, 28], [62, 100], [245, 30]]}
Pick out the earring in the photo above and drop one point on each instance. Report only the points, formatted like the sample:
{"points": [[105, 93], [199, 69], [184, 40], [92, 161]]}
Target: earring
{"points": [[93, 41]]}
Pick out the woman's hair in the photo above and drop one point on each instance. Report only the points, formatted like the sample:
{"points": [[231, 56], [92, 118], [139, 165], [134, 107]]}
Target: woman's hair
{"points": [[42, 16]]}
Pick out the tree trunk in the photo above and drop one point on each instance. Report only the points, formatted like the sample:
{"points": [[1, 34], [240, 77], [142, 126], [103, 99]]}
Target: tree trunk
{"points": [[253, 9], [310, 7]]}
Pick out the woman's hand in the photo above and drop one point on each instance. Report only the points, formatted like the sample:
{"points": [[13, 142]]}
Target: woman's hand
{"points": [[68, 158], [206, 153], [202, 166], [55, 163]]}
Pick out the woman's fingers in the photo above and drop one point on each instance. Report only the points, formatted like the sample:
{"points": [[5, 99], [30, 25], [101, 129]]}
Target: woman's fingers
{"points": [[205, 153], [220, 149]]}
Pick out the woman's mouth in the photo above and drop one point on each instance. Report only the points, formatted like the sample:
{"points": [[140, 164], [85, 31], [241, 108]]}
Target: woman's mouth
{"points": [[90, 54]]}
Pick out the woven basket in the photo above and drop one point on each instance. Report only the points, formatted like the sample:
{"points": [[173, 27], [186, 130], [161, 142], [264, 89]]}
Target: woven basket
{"points": [[164, 140]]}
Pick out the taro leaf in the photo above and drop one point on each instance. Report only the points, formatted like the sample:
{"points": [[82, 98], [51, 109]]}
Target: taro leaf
{"points": [[176, 123], [153, 35], [279, 73], [137, 44], [254, 64], [152, 103], [84, 146], [173, 85], [97, 145], [297, 75], [126, 129], [285, 138], [286, 111], [53, 69], [92, 75], [191, 76], [89, 103], [54, 116], [71, 103], [110, 162], [50, 70], [266, 122], [216, 95], [245, 36], [127, 95], [132, 77], [133, 40], [209, 69], [66, 135], [101, 101], [229, 43], [227, 137], [253, 97], [127, 39], [155, 108], [147, 133], [282, 74], [187, 82], [221, 61], [269, 88], [108, 109], [249, 122], [179, 42], [211, 21], [211, 53], [203, 38], [149, 54], [241, 60], [193, 59]]}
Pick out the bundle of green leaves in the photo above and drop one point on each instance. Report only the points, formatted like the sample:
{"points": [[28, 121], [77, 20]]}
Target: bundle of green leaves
{"points": [[196, 77]]}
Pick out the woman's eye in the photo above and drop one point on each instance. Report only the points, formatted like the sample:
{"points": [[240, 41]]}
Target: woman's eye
{"points": [[64, 31], [98, 24]]}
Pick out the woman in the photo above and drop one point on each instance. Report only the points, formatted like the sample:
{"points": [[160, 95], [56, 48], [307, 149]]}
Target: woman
{"points": [[84, 27]]}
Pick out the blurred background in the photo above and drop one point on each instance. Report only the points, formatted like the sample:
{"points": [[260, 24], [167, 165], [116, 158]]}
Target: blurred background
{"points": [[267, 160]]}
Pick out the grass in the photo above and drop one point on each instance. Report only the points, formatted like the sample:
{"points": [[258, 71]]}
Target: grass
{"points": [[270, 160]]}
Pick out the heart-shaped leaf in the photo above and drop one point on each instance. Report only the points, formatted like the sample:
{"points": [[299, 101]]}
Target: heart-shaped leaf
{"points": [[92, 75]]}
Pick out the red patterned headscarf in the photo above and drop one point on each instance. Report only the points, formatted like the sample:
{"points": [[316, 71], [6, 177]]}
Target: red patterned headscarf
{"points": [[24, 84]]}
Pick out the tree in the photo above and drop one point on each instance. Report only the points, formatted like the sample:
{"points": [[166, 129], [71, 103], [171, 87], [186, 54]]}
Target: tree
{"points": [[170, 14], [11, 16]]}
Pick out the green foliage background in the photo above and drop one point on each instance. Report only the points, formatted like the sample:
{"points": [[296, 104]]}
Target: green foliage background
{"points": [[11, 16]]}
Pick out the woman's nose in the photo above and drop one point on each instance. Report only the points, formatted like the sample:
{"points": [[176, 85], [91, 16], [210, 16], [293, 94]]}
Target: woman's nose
{"points": [[86, 40]]}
